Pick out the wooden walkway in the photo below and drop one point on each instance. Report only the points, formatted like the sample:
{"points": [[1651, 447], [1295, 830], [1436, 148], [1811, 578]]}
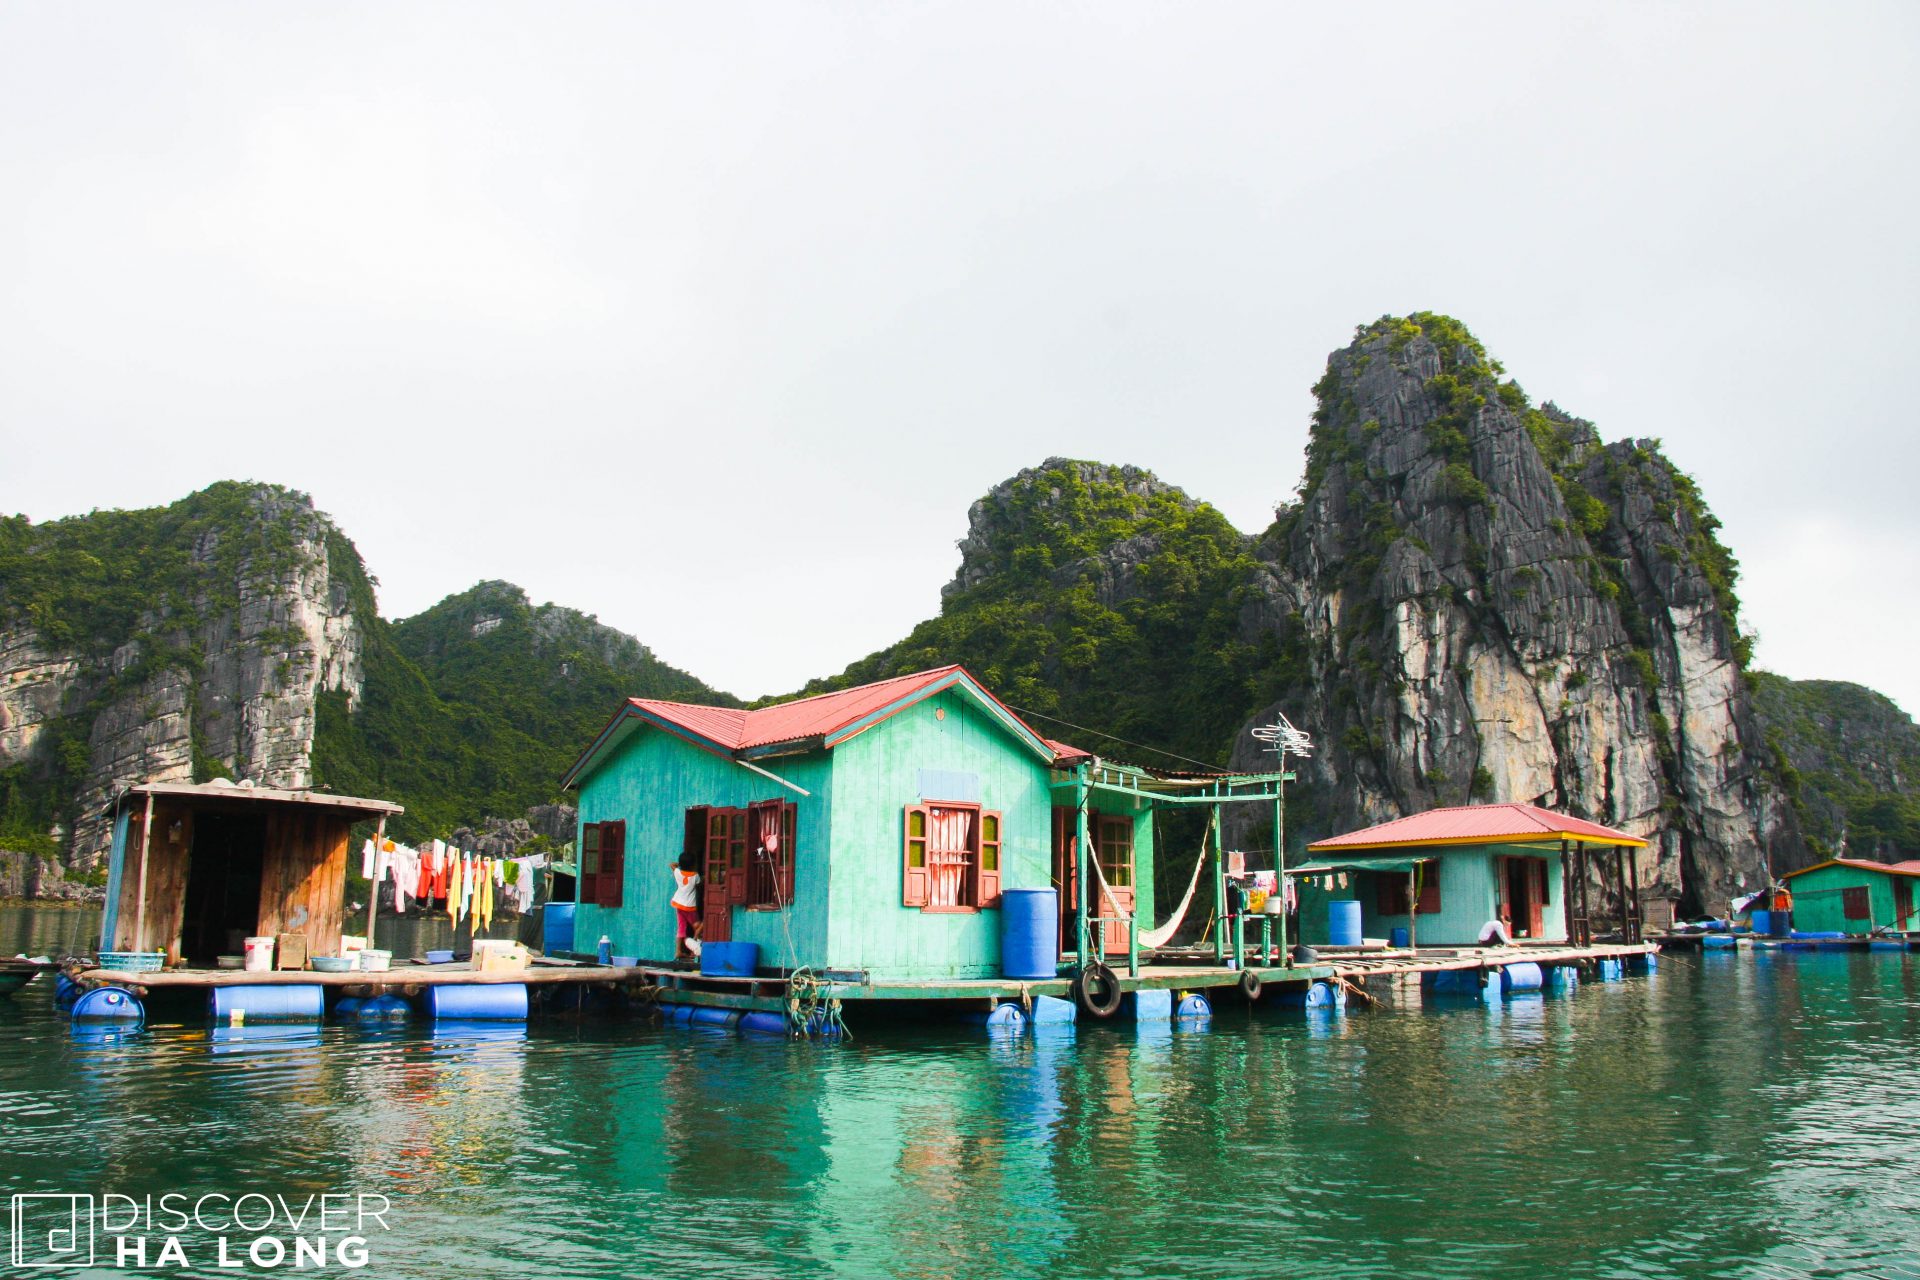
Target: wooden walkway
{"points": [[401, 977]]}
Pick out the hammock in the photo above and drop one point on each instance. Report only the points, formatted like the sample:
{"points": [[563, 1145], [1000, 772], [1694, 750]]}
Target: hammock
{"points": [[1157, 937]]}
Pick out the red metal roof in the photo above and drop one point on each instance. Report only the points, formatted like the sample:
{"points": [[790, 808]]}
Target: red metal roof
{"points": [[1477, 824], [820, 716]]}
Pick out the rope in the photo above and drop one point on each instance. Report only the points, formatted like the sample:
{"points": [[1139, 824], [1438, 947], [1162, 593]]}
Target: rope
{"points": [[810, 1011]]}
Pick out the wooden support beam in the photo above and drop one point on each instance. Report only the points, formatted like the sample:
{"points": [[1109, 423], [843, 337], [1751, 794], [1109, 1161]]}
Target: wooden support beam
{"points": [[140, 905]]}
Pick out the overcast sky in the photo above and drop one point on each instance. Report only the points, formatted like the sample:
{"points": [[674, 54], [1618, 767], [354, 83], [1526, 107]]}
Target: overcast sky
{"points": [[712, 320]]}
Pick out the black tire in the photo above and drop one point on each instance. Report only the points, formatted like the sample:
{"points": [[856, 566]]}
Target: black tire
{"points": [[1097, 991], [1249, 984]]}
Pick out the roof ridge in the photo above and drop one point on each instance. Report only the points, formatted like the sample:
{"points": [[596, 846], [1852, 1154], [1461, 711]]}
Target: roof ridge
{"points": [[794, 702]]}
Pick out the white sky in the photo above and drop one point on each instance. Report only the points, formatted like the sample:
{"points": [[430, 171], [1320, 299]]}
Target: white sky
{"points": [[712, 320]]}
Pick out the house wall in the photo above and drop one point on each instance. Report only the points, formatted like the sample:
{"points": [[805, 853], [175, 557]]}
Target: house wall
{"points": [[1818, 906], [1469, 898], [649, 782], [942, 744]]}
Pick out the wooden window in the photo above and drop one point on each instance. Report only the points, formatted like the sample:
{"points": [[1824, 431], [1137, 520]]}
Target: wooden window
{"points": [[770, 826], [603, 863], [1113, 841], [1855, 903], [951, 857], [1390, 893], [1429, 878]]}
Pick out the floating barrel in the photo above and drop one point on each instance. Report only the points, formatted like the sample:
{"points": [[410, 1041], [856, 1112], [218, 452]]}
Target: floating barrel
{"points": [[108, 1004], [775, 1024], [1886, 944], [1315, 995], [1457, 982], [708, 1017], [384, 1009], [1524, 976], [1719, 942], [1563, 977], [1805, 935], [556, 928], [347, 1007], [1762, 921], [1343, 923], [1607, 970], [65, 991], [1147, 1006], [1193, 1007], [499, 1001], [1029, 933], [293, 1002], [1782, 923], [681, 1013], [1646, 963]]}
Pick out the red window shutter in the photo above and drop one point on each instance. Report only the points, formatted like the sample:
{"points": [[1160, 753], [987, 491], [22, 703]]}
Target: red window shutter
{"points": [[1540, 877], [1430, 888], [613, 870], [1854, 903], [589, 884], [739, 851], [916, 881], [789, 824], [988, 860]]}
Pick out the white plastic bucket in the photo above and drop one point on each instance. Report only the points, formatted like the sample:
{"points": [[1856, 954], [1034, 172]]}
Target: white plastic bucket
{"points": [[259, 955], [372, 961]]}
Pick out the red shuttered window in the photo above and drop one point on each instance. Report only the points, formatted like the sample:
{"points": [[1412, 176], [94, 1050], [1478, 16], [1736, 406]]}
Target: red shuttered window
{"points": [[951, 857], [603, 847], [770, 829]]}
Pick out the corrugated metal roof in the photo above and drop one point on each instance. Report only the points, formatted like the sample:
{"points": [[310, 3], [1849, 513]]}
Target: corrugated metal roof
{"points": [[1477, 824], [248, 792], [1911, 867]]}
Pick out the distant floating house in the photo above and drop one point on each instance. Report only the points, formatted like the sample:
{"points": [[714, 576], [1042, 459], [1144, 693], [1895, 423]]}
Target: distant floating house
{"points": [[1443, 875], [1850, 895], [869, 830], [197, 868]]}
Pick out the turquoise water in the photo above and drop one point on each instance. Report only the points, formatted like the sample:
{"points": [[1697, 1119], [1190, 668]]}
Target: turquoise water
{"points": [[1729, 1116]]}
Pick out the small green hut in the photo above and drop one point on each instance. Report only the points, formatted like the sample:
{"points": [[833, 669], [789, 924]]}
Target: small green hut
{"points": [[1850, 895]]}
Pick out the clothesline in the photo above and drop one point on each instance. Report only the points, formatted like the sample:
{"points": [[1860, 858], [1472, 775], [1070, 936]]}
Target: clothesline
{"points": [[467, 884]]}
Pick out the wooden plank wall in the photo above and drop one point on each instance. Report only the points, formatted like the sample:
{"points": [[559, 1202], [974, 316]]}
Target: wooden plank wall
{"points": [[303, 877], [167, 860]]}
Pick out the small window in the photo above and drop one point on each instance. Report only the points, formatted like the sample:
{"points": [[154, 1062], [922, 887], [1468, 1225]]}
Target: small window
{"points": [[1113, 839], [602, 858], [769, 827], [951, 857]]}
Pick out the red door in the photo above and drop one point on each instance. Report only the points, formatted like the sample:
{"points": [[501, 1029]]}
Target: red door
{"points": [[717, 909], [1902, 903]]}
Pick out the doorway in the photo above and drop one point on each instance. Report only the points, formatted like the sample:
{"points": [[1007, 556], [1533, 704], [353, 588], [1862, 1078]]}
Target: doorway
{"points": [[222, 902], [1523, 895]]}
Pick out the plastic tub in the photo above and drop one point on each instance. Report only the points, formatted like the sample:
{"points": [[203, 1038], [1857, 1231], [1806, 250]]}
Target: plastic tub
{"points": [[332, 964], [259, 955], [1399, 937], [229, 962], [1343, 923], [132, 961], [439, 957], [1029, 933], [374, 961], [729, 959]]}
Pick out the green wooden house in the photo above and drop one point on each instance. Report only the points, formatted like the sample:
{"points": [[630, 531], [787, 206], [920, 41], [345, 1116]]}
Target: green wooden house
{"points": [[1445, 874], [869, 830], [1849, 895]]}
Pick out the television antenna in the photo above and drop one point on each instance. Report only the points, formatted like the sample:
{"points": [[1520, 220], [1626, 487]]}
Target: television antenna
{"points": [[1283, 738]]}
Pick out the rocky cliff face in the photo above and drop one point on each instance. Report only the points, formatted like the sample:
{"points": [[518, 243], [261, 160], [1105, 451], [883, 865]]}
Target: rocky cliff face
{"points": [[1496, 606], [1852, 758], [210, 667]]}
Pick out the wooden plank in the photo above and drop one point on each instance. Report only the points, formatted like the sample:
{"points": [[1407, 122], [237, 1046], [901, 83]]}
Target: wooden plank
{"points": [[408, 976]]}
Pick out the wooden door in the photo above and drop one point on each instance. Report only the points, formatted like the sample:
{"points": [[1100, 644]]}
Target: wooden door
{"points": [[1536, 897], [1902, 903], [1065, 873], [1116, 930], [717, 907]]}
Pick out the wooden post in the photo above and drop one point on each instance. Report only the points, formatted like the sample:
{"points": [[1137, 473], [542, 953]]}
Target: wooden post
{"points": [[1082, 794], [1566, 892], [140, 907], [373, 889], [1620, 879], [1413, 905], [1633, 876], [1219, 890]]}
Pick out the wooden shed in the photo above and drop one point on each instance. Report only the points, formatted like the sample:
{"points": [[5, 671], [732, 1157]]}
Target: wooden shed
{"points": [[1852, 895], [195, 867]]}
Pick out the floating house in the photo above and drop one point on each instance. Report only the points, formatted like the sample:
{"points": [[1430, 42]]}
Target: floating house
{"points": [[196, 868], [1850, 895], [870, 830], [1442, 876]]}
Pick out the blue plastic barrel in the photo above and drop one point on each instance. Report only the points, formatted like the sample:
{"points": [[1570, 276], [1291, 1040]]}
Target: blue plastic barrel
{"points": [[1762, 921], [1400, 936], [1192, 1007], [760, 1022], [497, 1001], [729, 959], [384, 1009], [293, 1002], [104, 1004], [1782, 923], [1343, 923], [347, 1007], [1029, 933], [703, 1016], [1525, 976], [556, 928]]}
